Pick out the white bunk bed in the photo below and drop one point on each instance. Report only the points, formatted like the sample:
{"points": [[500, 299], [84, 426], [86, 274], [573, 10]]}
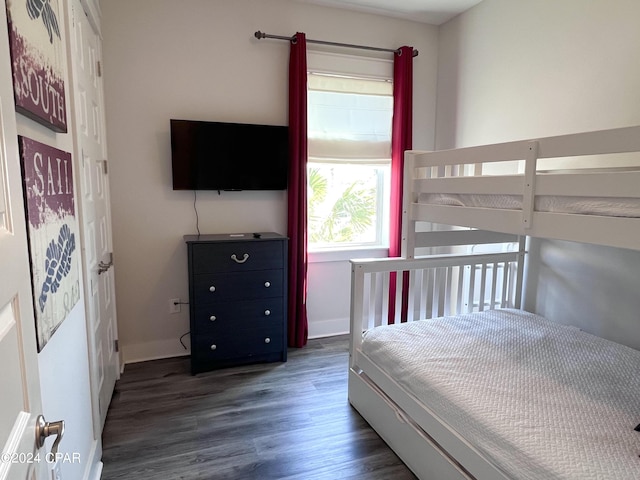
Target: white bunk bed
{"points": [[436, 390]]}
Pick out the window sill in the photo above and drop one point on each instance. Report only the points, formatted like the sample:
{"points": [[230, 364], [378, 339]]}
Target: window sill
{"points": [[319, 256]]}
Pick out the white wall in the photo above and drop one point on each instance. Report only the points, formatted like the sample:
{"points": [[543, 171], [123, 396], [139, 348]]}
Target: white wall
{"points": [[511, 70], [198, 59]]}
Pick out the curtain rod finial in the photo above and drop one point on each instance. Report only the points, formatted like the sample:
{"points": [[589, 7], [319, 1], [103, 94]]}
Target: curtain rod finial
{"points": [[259, 35]]}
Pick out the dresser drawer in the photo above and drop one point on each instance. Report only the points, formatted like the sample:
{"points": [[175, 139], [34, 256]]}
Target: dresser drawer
{"points": [[236, 286], [244, 343], [236, 256], [229, 317]]}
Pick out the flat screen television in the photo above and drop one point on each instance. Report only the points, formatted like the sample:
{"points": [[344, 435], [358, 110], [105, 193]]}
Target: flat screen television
{"points": [[228, 156]]}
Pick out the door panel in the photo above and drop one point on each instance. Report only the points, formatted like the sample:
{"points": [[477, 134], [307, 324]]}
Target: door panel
{"points": [[16, 425], [9, 352], [20, 400], [88, 106]]}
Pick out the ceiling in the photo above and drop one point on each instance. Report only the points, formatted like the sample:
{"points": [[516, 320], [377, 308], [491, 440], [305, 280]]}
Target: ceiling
{"points": [[434, 12]]}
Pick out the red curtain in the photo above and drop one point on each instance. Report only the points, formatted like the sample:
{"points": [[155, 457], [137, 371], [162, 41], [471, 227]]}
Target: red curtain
{"points": [[297, 193], [401, 140]]}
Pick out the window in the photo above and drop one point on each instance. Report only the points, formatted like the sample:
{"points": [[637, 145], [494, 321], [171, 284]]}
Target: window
{"points": [[349, 137]]}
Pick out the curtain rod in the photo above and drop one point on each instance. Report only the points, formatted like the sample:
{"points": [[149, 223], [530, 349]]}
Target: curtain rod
{"points": [[260, 35]]}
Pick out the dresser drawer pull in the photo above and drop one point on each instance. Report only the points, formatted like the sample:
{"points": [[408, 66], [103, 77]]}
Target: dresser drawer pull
{"points": [[213, 318], [212, 288], [267, 312], [245, 257], [267, 340], [267, 284], [213, 347]]}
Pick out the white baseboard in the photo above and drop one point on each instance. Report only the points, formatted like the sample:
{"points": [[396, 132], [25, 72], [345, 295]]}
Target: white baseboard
{"points": [[97, 474], [141, 352], [329, 327], [93, 469]]}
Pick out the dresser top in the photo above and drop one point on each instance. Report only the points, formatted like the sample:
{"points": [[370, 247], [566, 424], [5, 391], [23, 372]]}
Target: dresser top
{"points": [[233, 237]]}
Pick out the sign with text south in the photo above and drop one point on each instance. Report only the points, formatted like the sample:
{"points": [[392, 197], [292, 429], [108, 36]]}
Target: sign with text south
{"points": [[37, 60]]}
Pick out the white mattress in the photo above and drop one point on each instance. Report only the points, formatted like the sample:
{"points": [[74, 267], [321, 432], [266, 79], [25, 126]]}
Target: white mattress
{"points": [[607, 206], [537, 399]]}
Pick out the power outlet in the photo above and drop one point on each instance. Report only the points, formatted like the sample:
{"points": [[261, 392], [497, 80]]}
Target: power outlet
{"points": [[174, 305]]}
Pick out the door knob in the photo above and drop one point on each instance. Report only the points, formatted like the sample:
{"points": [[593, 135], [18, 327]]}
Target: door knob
{"points": [[46, 429], [104, 266]]}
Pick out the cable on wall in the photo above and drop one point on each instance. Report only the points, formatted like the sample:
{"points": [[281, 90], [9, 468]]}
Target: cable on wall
{"points": [[195, 209]]}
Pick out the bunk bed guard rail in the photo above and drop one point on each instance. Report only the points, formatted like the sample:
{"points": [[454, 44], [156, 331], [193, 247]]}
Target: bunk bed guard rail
{"points": [[436, 286], [577, 165]]}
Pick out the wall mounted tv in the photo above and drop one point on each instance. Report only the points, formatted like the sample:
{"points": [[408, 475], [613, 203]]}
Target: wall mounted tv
{"points": [[228, 156]]}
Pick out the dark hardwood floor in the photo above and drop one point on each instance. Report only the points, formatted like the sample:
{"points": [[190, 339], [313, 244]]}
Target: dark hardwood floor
{"points": [[269, 421]]}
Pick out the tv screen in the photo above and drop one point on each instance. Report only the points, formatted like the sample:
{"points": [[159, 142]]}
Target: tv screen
{"points": [[228, 156]]}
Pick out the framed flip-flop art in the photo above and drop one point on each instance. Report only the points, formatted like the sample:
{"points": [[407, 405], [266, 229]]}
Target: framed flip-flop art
{"points": [[52, 228]]}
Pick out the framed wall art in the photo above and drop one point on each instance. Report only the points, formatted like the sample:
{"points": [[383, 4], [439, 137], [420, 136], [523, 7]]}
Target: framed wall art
{"points": [[37, 60], [52, 228]]}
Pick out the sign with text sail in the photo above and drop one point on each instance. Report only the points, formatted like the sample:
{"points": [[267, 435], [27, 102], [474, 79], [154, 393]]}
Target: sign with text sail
{"points": [[37, 60], [52, 229]]}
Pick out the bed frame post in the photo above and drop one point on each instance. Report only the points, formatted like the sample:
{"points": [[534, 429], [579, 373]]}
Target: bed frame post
{"points": [[408, 223], [529, 186], [357, 309], [522, 244]]}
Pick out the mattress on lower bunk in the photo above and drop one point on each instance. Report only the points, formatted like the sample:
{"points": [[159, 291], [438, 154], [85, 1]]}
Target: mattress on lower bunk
{"points": [[605, 206], [539, 400]]}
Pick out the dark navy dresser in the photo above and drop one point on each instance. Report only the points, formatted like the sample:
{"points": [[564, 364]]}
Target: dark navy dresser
{"points": [[237, 299]]}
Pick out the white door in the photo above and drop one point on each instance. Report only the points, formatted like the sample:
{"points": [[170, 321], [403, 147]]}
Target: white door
{"points": [[95, 219], [20, 400]]}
